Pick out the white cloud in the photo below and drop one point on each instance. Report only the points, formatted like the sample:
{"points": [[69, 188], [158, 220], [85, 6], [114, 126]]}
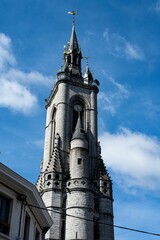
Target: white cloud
{"points": [[39, 143], [119, 86], [16, 97], [120, 47], [114, 97], [14, 92], [156, 6], [106, 103], [6, 55], [133, 51], [134, 158], [33, 77]]}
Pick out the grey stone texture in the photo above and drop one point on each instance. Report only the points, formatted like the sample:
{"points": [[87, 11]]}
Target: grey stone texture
{"points": [[73, 181]]}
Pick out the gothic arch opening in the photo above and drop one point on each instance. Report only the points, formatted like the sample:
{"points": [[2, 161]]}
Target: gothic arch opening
{"points": [[53, 126], [78, 110], [78, 107]]}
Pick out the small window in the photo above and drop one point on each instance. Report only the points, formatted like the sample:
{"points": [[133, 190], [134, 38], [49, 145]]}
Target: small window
{"points": [[96, 231], [69, 59], [79, 161], [37, 235], [49, 176], [5, 209], [56, 176], [105, 184], [75, 59], [26, 227]]}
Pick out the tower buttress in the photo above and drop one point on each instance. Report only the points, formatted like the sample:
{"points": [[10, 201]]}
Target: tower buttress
{"points": [[73, 182]]}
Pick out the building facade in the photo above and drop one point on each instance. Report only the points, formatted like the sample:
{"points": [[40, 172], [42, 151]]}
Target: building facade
{"points": [[19, 220], [74, 182]]}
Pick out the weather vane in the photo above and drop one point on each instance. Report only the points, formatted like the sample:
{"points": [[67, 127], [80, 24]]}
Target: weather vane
{"points": [[73, 13]]}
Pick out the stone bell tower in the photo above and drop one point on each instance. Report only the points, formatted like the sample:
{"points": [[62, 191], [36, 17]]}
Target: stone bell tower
{"points": [[74, 182]]}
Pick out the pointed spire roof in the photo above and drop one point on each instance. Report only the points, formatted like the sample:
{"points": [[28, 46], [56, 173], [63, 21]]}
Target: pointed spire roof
{"points": [[73, 43], [88, 75], [73, 55], [55, 162], [79, 132]]}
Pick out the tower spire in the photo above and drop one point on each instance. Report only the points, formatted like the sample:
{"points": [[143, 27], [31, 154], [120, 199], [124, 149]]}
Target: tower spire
{"points": [[72, 54], [73, 43]]}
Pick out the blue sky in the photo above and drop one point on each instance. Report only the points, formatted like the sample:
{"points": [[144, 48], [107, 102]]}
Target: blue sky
{"points": [[121, 39]]}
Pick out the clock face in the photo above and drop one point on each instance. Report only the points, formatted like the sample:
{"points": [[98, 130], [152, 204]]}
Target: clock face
{"points": [[77, 107]]}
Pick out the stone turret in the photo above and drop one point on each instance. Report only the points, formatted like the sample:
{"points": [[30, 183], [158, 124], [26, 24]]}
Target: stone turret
{"points": [[80, 199]]}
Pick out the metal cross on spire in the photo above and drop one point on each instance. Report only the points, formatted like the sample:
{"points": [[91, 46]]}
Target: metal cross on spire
{"points": [[73, 13]]}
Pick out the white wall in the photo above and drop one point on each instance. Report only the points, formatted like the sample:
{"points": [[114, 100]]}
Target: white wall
{"points": [[15, 217]]}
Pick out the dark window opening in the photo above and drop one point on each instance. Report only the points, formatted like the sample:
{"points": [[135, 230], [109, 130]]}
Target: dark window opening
{"points": [[74, 59], [105, 184], [75, 118], [79, 161], [5, 208], [49, 176], [48, 184], [26, 227], [69, 59], [56, 176], [37, 235], [56, 184], [53, 125], [96, 231]]}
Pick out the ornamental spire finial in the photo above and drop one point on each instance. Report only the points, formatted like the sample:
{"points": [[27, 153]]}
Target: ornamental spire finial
{"points": [[73, 13], [86, 58]]}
